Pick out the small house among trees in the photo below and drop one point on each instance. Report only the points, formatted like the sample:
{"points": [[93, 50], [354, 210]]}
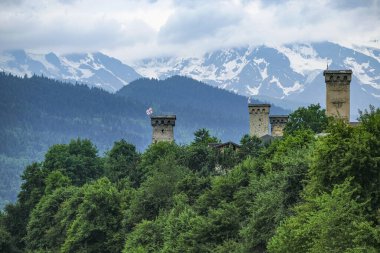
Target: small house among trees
{"points": [[222, 146]]}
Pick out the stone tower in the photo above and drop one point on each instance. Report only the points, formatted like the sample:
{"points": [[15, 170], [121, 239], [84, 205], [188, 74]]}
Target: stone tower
{"points": [[278, 123], [258, 119], [163, 128], [338, 93]]}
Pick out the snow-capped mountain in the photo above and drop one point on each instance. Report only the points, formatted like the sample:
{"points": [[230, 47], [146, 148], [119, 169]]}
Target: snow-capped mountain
{"points": [[95, 69], [289, 75]]}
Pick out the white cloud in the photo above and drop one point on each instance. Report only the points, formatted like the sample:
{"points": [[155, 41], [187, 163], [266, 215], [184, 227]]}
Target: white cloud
{"points": [[135, 29], [197, 22]]}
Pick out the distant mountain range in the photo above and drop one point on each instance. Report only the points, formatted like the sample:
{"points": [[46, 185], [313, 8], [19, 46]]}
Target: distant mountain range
{"points": [[94, 69], [288, 75], [38, 112]]}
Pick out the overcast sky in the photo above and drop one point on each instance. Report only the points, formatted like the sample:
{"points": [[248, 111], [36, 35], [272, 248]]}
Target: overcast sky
{"points": [[133, 29]]}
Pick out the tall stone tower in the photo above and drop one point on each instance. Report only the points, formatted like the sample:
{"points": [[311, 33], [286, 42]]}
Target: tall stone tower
{"points": [[258, 119], [278, 123], [163, 128], [338, 93]]}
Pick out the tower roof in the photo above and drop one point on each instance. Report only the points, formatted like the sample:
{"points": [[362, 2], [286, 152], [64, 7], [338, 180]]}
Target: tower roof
{"points": [[258, 105], [160, 120], [345, 71], [278, 119], [279, 116], [163, 117]]}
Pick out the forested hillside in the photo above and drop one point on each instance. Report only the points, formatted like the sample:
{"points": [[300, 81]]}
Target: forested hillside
{"points": [[38, 112], [300, 193], [196, 105]]}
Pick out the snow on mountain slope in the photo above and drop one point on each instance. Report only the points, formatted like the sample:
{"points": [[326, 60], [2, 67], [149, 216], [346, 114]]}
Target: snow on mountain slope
{"points": [[95, 69], [291, 73], [240, 70], [287, 72], [303, 58]]}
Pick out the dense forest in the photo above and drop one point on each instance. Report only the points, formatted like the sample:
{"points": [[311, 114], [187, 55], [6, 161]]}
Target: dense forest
{"points": [[304, 192], [196, 105], [38, 112]]}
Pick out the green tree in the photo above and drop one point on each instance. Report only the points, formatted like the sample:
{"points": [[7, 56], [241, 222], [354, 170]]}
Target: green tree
{"points": [[223, 223], [33, 186], [56, 180], [198, 156], [203, 137], [121, 162], [192, 185], [275, 187], [229, 246], [312, 117], [329, 222], [223, 189], [184, 230], [97, 226], [17, 215], [45, 231], [156, 193], [78, 160], [145, 238], [265, 212], [178, 224], [66, 213], [156, 153], [291, 157], [226, 159], [5, 238], [250, 146], [349, 152]]}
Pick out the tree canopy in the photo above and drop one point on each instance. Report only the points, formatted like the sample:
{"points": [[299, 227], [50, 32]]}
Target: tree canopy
{"points": [[300, 193], [312, 117]]}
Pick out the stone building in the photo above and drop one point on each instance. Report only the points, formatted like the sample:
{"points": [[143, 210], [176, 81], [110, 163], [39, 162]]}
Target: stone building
{"points": [[163, 128], [278, 123], [258, 119], [338, 93], [222, 146]]}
